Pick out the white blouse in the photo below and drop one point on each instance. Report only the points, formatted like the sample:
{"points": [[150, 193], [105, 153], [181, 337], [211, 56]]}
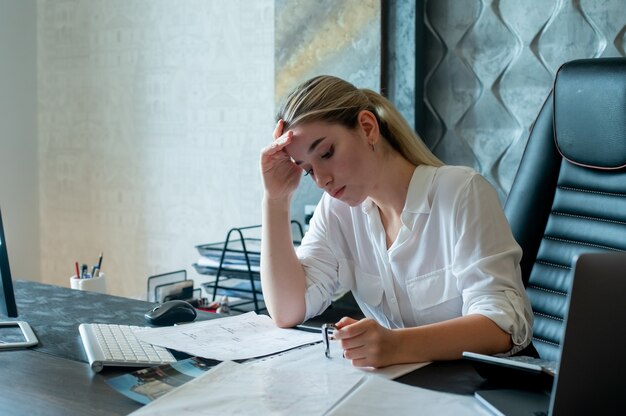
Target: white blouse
{"points": [[454, 255]]}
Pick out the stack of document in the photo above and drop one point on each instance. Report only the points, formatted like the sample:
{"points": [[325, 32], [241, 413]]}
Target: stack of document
{"points": [[287, 380]]}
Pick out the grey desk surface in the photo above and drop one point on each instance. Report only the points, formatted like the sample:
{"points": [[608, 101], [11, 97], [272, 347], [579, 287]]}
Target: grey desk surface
{"points": [[53, 378], [55, 312], [35, 383]]}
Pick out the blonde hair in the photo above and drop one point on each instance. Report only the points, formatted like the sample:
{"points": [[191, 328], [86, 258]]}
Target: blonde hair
{"points": [[333, 100]]}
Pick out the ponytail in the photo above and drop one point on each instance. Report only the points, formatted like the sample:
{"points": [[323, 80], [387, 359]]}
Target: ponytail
{"points": [[399, 134]]}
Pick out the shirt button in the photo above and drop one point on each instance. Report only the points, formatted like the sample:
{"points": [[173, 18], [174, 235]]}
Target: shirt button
{"points": [[393, 300]]}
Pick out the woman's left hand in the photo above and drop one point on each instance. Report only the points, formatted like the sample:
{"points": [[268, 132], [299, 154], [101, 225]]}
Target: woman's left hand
{"points": [[366, 343]]}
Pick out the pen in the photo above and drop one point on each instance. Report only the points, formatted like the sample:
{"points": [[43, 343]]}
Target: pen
{"points": [[327, 334], [77, 271], [96, 267]]}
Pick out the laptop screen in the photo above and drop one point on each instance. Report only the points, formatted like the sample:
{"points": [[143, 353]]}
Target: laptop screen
{"points": [[590, 378], [591, 372], [7, 297]]}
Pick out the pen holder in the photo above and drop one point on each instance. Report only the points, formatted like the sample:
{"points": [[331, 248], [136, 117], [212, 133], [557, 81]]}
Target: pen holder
{"points": [[93, 284]]}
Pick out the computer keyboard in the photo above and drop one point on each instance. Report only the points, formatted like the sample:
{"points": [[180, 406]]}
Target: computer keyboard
{"points": [[117, 345]]}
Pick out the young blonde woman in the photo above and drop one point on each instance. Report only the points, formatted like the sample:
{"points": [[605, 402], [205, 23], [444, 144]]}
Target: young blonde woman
{"points": [[424, 248]]}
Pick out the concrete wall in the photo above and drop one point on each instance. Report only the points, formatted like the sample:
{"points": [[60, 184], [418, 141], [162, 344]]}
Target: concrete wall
{"points": [[19, 191], [152, 115]]}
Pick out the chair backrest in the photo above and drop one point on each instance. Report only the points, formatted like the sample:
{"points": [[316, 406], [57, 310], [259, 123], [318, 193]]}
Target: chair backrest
{"points": [[569, 193]]}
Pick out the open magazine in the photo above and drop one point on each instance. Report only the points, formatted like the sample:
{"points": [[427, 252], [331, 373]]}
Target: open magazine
{"points": [[148, 384]]}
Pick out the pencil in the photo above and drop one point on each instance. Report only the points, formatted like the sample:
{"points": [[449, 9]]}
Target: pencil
{"points": [[100, 262], [77, 271]]}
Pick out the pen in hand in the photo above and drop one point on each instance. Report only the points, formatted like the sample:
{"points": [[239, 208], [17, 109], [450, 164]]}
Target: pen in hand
{"points": [[328, 331]]}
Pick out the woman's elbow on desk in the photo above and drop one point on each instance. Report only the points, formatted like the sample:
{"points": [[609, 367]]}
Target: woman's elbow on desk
{"points": [[287, 315], [285, 320]]}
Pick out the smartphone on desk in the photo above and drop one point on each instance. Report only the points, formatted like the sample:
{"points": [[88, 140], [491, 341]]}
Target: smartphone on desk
{"points": [[512, 371]]}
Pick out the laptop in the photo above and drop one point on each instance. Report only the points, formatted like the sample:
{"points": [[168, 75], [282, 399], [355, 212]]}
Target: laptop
{"points": [[592, 368]]}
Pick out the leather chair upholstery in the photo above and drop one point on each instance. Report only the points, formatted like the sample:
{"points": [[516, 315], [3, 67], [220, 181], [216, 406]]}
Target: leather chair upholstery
{"points": [[569, 193]]}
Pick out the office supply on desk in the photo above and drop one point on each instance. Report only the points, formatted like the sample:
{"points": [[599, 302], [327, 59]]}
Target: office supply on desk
{"points": [[171, 285], [149, 384], [298, 381], [231, 338], [89, 283], [309, 357], [98, 267], [117, 346], [234, 265], [171, 312], [327, 334], [268, 391], [378, 396], [586, 382], [333, 350]]}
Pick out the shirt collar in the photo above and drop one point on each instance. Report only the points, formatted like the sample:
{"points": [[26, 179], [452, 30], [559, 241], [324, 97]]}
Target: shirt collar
{"points": [[416, 198], [419, 188]]}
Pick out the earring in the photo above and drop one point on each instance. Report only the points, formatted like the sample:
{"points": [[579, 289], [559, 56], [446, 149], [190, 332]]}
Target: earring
{"points": [[372, 146]]}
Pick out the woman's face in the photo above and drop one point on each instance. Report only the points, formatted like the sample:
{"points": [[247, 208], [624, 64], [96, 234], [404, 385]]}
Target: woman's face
{"points": [[339, 160]]}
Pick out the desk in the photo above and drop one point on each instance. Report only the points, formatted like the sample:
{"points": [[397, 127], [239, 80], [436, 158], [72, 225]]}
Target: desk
{"points": [[54, 378], [34, 383]]}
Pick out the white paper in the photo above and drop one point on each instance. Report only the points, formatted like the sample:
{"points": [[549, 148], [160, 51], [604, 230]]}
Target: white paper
{"points": [[378, 396], [304, 382], [242, 389], [231, 338], [313, 357], [390, 372]]}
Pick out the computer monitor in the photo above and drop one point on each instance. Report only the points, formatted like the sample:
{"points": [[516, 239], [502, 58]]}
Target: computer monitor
{"points": [[13, 334], [8, 307]]}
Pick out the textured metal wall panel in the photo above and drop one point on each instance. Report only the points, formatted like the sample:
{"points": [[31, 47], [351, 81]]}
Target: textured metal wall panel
{"points": [[490, 65]]}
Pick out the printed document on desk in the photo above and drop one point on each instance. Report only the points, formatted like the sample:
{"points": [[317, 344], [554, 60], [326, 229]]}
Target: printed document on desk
{"points": [[243, 389], [378, 396], [231, 338], [303, 382], [312, 356]]}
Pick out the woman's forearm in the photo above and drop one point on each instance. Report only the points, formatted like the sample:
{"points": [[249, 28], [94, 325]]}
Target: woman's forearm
{"points": [[447, 340], [282, 276]]}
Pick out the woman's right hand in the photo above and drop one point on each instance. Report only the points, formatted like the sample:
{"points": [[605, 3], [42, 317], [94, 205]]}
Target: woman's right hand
{"points": [[281, 175]]}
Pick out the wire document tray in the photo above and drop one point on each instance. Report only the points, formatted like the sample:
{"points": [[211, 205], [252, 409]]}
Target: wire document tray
{"points": [[235, 265]]}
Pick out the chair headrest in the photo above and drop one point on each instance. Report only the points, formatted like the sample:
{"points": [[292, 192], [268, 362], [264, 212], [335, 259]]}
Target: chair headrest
{"points": [[590, 112]]}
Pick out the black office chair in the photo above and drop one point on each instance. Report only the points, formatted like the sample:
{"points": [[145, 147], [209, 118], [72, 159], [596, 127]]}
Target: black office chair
{"points": [[569, 193]]}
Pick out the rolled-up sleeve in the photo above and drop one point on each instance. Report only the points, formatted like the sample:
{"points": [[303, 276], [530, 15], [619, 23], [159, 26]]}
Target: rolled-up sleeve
{"points": [[319, 263], [487, 263]]}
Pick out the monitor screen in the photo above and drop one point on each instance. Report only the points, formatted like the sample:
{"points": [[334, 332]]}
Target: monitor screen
{"points": [[7, 297]]}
